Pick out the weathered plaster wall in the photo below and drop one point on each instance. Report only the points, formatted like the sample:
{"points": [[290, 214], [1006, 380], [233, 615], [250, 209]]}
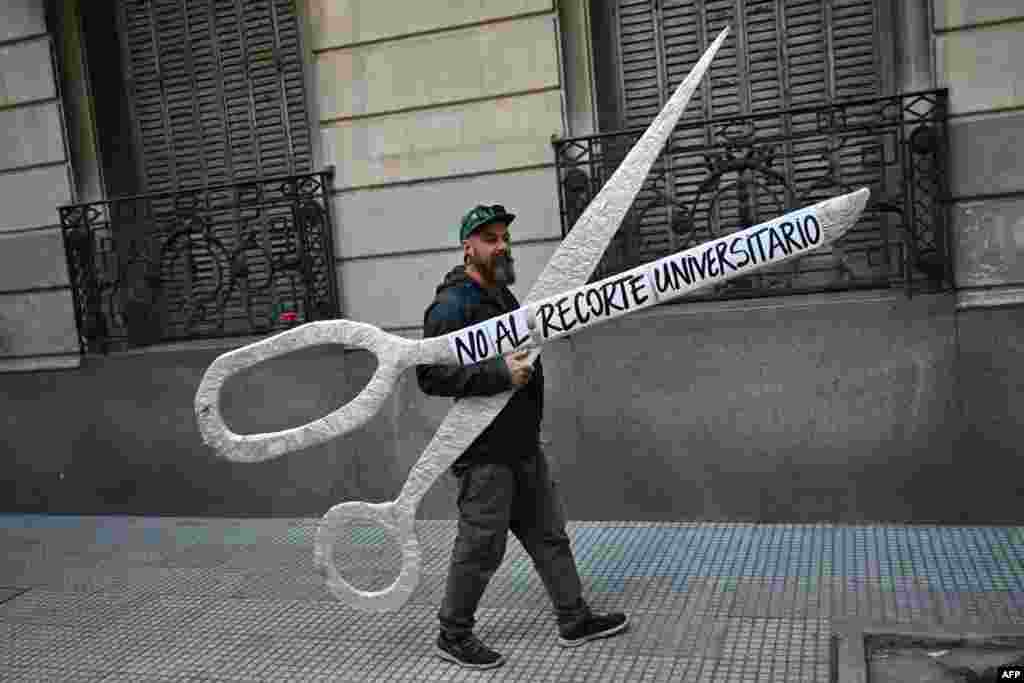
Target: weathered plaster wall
{"points": [[426, 112], [37, 325], [844, 408], [836, 409], [964, 13], [978, 56], [138, 449]]}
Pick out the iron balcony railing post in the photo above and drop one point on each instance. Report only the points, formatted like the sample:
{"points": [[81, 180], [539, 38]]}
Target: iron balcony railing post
{"points": [[334, 294], [561, 183], [74, 273], [95, 329], [944, 222], [907, 232]]}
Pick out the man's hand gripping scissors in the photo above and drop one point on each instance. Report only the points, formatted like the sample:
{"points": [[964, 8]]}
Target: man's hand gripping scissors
{"points": [[565, 274]]}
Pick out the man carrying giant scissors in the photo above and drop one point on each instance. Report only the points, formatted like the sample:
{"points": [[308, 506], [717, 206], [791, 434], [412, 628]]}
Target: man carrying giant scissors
{"points": [[504, 483]]}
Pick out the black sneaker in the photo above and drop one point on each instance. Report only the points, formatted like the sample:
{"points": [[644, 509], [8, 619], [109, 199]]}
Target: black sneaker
{"points": [[468, 652], [597, 626]]}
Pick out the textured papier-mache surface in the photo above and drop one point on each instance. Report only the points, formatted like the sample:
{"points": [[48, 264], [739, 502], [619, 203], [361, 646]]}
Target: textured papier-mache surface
{"points": [[833, 216], [836, 216], [840, 214], [571, 266], [395, 354]]}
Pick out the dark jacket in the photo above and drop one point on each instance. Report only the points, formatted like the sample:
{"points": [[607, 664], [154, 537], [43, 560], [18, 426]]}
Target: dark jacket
{"points": [[515, 432]]}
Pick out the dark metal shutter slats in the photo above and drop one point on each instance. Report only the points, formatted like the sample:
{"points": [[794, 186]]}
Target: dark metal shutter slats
{"points": [[218, 90], [640, 77], [754, 71], [218, 97]]}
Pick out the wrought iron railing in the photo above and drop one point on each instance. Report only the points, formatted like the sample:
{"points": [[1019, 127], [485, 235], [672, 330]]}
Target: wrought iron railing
{"points": [[718, 176], [239, 259]]}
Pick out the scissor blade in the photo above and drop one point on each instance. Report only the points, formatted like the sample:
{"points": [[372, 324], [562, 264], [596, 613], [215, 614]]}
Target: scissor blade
{"points": [[570, 266], [739, 254], [574, 261]]}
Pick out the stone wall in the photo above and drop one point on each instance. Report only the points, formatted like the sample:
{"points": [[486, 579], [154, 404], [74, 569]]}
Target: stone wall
{"points": [[37, 322], [978, 55], [846, 408], [426, 112]]}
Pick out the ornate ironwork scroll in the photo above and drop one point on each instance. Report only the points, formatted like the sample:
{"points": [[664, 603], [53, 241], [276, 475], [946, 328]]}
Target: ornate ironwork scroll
{"points": [[751, 167], [238, 259]]}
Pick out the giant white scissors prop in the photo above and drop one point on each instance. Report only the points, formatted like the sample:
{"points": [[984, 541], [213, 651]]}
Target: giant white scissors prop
{"points": [[559, 304]]}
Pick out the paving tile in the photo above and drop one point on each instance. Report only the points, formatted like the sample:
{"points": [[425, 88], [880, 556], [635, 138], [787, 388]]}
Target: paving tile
{"points": [[307, 585], [172, 653], [299, 618], [6, 641], [430, 590], [167, 651], [27, 645], [157, 613], [86, 610], [42, 674], [280, 556], [125, 677], [165, 599], [285, 658]]}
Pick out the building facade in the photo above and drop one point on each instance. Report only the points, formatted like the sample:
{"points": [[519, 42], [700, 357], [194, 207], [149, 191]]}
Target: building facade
{"points": [[183, 177]]}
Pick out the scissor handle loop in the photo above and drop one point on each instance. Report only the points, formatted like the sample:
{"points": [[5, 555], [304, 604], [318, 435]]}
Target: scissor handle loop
{"points": [[399, 523], [394, 355]]}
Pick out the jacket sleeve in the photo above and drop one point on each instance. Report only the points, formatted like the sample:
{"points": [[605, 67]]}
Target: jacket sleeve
{"points": [[483, 379]]}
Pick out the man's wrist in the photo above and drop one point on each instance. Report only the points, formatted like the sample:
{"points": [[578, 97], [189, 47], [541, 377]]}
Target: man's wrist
{"points": [[506, 371]]}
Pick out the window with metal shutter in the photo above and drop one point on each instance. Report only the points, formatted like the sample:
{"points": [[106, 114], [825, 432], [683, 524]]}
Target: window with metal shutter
{"points": [[216, 90], [781, 54], [215, 98]]}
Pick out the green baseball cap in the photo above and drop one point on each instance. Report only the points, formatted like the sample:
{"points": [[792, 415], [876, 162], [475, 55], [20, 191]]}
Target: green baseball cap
{"points": [[481, 215]]}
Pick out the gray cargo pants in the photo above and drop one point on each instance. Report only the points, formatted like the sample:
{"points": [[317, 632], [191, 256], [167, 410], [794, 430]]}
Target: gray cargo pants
{"points": [[493, 500]]}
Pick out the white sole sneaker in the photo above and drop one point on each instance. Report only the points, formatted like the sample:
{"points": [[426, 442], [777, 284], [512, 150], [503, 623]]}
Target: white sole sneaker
{"points": [[449, 657], [593, 636]]}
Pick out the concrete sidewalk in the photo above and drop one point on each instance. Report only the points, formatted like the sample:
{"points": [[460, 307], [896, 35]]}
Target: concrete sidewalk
{"points": [[174, 599]]}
